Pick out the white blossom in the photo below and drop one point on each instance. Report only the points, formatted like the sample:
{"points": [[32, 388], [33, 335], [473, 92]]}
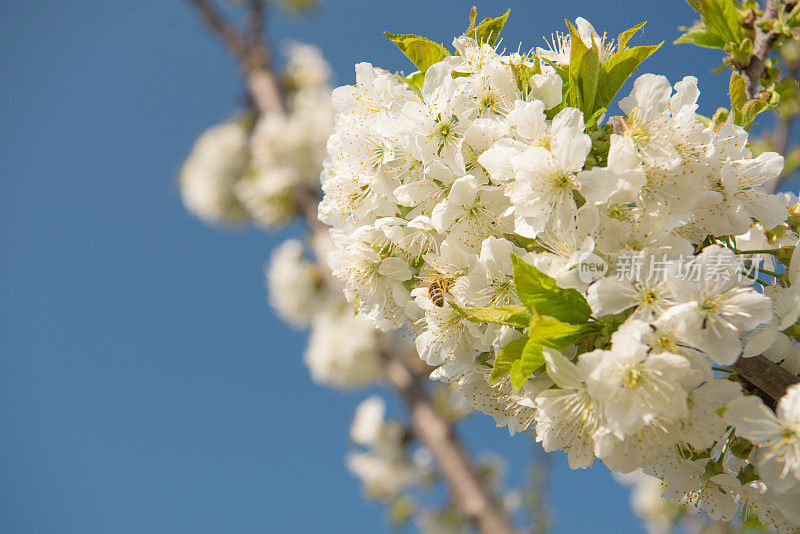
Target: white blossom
{"points": [[342, 350], [777, 435], [207, 178]]}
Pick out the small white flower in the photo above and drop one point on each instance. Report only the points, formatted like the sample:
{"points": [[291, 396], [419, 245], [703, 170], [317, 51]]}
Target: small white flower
{"points": [[448, 335], [342, 350], [471, 212], [687, 483], [546, 178], [777, 435], [718, 308], [635, 388], [567, 417], [292, 282], [217, 160], [368, 421]]}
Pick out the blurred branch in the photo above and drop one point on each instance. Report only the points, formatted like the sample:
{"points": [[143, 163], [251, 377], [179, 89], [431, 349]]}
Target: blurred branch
{"points": [[256, 21], [253, 56], [781, 134], [221, 28], [539, 493], [466, 489], [762, 45]]}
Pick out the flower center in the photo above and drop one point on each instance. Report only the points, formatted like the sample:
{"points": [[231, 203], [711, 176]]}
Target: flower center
{"points": [[710, 305], [633, 377]]}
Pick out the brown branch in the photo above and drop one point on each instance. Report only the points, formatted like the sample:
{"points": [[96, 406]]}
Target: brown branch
{"points": [[467, 490], [762, 45], [221, 28], [767, 376], [256, 21], [253, 58]]}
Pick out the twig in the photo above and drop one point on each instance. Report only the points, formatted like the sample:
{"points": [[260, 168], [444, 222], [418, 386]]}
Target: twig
{"points": [[253, 58], [767, 376], [222, 29], [256, 21], [762, 45], [466, 488]]}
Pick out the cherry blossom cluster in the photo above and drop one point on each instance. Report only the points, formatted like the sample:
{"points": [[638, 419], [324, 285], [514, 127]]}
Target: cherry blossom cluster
{"points": [[482, 181], [242, 171], [287, 148], [239, 171], [265, 172], [302, 294]]}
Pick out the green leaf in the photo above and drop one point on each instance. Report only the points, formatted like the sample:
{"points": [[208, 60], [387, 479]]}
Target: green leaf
{"points": [[550, 332], [420, 50], [544, 332], [489, 29], [473, 14], [624, 37], [617, 69], [701, 37], [518, 316], [521, 357], [523, 73], [738, 92], [517, 377], [541, 294], [721, 17], [584, 69], [506, 357], [793, 17], [592, 121], [751, 109], [532, 358], [745, 110], [415, 80], [740, 53]]}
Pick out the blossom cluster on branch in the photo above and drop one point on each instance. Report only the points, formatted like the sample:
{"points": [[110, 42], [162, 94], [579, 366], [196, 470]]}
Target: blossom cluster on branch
{"points": [[590, 279], [243, 171], [266, 171]]}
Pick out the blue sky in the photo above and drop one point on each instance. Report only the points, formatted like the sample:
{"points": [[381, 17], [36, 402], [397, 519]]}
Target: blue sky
{"points": [[145, 386]]}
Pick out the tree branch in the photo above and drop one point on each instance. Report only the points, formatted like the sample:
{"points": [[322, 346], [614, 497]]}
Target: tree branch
{"points": [[466, 488], [767, 376], [252, 57], [221, 28], [762, 45], [256, 21]]}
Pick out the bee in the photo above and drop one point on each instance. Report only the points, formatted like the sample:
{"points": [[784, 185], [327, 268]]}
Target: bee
{"points": [[438, 286]]}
